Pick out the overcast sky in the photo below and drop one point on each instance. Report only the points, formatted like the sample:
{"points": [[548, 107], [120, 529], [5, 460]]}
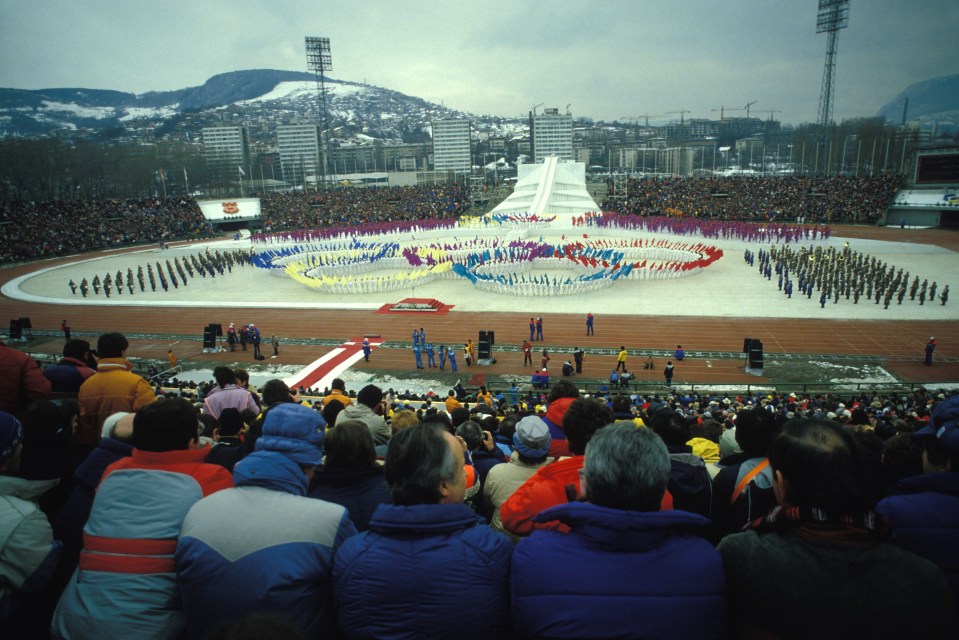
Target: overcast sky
{"points": [[609, 59]]}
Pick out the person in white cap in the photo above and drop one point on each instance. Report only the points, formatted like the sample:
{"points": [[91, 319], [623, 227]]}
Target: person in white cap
{"points": [[531, 446]]}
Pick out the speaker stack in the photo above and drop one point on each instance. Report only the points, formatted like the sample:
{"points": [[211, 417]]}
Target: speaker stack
{"points": [[753, 348], [16, 331], [20, 330], [484, 355], [209, 338]]}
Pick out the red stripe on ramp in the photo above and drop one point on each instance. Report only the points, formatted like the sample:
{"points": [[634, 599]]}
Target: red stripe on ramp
{"points": [[348, 351]]}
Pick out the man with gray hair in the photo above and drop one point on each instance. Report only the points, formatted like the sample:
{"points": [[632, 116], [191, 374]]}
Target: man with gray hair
{"points": [[604, 578], [428, 567]]}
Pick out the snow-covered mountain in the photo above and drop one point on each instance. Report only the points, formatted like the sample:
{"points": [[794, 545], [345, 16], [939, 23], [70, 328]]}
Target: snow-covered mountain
{"points": [[936, 99], [261, 99]]}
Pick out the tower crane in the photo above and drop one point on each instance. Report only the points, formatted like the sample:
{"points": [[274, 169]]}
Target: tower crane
{"points": [[722, 111]]}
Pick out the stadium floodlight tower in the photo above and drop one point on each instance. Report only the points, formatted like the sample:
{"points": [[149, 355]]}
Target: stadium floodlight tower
{"points": [[319, 60], [833, 15]]}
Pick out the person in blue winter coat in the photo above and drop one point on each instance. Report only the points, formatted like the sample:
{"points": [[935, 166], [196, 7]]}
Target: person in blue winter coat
{"points": [[442, 350], [430, 355], [451, 352], [265, 546], [255, 339], [924, 510], [350, 475], [418, 355], [428, 567], [601, 575]]}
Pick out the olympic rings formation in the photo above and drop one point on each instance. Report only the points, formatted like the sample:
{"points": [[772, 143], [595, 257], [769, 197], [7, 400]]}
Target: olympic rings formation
{"points": [[346, 266]]}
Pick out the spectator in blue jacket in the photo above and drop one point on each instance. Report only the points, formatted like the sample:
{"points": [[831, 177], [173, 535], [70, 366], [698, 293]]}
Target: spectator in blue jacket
{"points": [[428, 567], [264, 546], [350, 475], [925, 514], [72, 371], [625, 568]]}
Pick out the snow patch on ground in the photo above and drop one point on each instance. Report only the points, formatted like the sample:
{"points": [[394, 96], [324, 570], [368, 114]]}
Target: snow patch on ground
{"points": [[282, 90], [99, 113], [859, 373], [134, 113]]}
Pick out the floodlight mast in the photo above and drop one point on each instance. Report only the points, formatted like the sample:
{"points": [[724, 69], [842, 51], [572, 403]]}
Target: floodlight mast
{"points": [[833, 15], [319, 60]]}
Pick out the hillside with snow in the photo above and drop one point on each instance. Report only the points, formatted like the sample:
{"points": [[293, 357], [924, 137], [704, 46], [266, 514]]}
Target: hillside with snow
{"points": [[262, 99]]}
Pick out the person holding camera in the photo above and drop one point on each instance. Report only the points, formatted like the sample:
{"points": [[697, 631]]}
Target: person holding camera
{"points": [[481, 448]]}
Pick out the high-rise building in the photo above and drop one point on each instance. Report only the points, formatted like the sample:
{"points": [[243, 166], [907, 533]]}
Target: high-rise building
{"points": [[451, 145], [227, 152], [551, 134], [226, 143], [299, 146]]}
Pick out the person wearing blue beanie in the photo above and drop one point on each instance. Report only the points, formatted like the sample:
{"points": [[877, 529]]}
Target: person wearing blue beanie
{"points": [[264, 545]]}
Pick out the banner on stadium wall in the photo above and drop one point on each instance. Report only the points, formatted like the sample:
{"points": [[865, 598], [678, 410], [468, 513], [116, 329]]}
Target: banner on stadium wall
{"points": [[230, 209]]}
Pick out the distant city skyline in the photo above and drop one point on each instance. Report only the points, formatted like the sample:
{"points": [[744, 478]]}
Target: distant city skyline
{"points": [[609, 61]]}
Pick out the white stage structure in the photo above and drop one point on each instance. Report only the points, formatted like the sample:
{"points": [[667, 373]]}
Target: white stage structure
{"points": [[552, 188]]}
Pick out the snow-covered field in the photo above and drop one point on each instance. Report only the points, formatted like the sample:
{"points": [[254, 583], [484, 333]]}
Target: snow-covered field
{"points": [[727, 288]]}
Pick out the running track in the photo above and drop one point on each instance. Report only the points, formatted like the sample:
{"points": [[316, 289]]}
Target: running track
{"points": [[899, 342]]}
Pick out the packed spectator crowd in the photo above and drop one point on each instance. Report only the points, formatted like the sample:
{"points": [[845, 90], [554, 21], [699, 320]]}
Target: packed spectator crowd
{"points": [[364, 515], [350, 207], [810, 199], [31, 230]]}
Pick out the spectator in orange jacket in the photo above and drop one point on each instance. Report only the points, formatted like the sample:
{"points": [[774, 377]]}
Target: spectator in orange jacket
{"points": [[114, 387], [547, 488]]}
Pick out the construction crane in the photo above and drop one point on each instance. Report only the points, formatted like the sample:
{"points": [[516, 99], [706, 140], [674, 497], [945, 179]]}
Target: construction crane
{"points": [[749, 104], [567, 107], [535, 107], [722, 111], [771, 112], [681, 112]]}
